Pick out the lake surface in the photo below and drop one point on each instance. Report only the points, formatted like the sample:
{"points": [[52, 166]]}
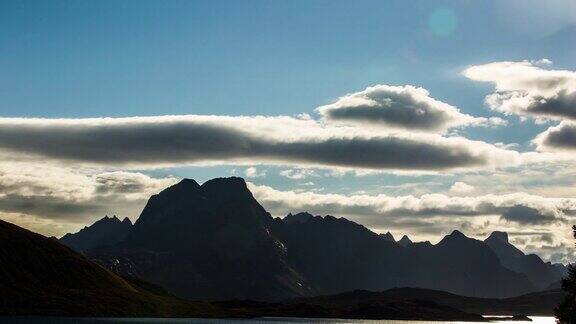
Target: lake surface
{"points": [[53, 320]]}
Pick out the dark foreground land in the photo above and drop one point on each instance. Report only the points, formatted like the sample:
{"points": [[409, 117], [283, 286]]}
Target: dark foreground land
{"points": [[426, 303], [40, 276]]}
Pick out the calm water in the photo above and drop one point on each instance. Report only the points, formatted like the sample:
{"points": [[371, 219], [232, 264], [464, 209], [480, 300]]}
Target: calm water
{"points": [[44, 320]]}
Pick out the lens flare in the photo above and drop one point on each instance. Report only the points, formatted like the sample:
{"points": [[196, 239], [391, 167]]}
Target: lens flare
{"points": [[442, 21]]}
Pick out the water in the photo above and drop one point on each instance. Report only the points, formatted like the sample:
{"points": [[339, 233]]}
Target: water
{"points": [[53, 320]]}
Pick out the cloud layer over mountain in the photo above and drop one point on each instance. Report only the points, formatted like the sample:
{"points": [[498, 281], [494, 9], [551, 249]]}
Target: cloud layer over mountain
{"points": [[428, 216], [520, 208], [58, 174]]}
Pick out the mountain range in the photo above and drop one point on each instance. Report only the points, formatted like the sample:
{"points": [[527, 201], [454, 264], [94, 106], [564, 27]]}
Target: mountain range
{"points": [[215, 241], [106, 231], [42, 277], [542, 274]]}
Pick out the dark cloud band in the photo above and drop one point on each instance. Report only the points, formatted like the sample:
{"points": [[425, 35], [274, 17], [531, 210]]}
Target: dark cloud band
{"points": [[402, 107], [558, 138], [186, 140]]}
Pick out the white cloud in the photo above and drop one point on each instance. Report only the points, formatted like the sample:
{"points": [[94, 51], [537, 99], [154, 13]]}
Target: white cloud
{"points": [[460, 188], [528, 90], [298, 174], [252, 172], [428, 217], [400, 108], [387, 207], [55, 199], [560, 138]]}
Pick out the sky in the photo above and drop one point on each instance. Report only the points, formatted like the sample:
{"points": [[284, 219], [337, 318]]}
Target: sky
{"points": [[414, 117]]}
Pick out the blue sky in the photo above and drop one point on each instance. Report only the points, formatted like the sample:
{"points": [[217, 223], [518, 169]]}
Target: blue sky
{"points": [[104, 58], [144, 58], [79, 59]]}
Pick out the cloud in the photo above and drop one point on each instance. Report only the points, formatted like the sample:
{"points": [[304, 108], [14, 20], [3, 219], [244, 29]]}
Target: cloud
{"points": [[57, 199], [377, 210], [558, 138], [405, 108], [527, 89], [461, 188], [546, 238], [527, 215], [556, 253], [31, 197], [183, 140], [430, 216], [252, 172], [48, 206], [120, 182], [298, 174]]}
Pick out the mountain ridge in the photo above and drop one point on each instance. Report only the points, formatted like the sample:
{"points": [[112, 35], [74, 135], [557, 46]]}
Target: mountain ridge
{"points": [[209, 241], [106, 231], [541, 274], [210, 228]]}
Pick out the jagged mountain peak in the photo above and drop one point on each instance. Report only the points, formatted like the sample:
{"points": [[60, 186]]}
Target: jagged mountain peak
{"points": [[191, 205], [188, 182], [216, 235], [540, 273], [223, 187], [216, 230], [299, 218], [226, 182], [457, 237], [105, 231], [182, 186], [227, 188], [388, 237], [105, 221], [107, 218], [497, 235], [405, 241], [458, 234]]}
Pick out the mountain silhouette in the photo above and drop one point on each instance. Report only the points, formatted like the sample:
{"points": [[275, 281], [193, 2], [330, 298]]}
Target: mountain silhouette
{"points": [[298, 218], [337, 255], [211, 241], [405, 241], [541, 274], [215, 241], [388, 237], [464, 266], [40, 276], [106, 231]]}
